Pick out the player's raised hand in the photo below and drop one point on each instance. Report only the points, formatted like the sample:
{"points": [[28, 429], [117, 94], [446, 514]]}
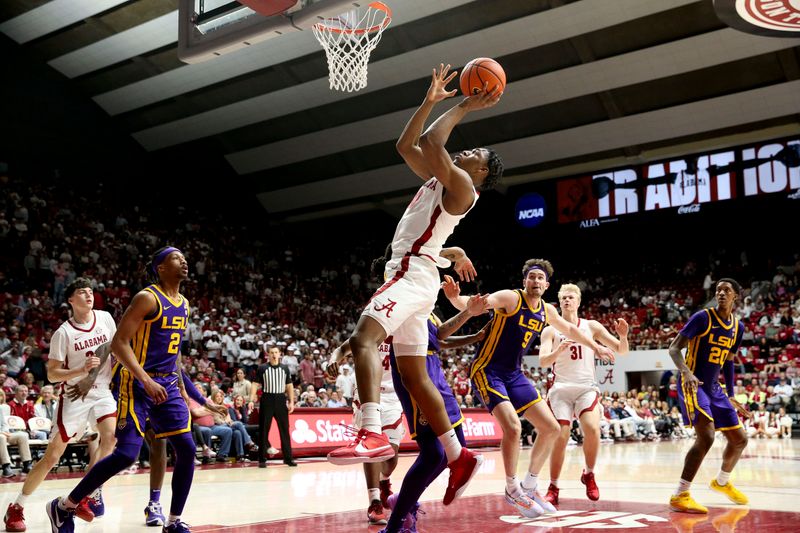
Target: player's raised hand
{"points": [[621, 327], [465, 269], [605, 354], [478, 304], [156, 392], [439, 80], [483, 99], [450, 287]]}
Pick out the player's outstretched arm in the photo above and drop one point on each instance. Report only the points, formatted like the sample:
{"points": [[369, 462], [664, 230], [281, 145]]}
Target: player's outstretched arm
{"points": [[503, 300], [476, 305], [572, 332], [408, 143], [601, 334], [142, 305]]}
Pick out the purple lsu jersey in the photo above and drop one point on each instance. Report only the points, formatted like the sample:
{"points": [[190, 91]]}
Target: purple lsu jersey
{"points": [[156, 346], [509, 336], [711, 340], [417, 422]]}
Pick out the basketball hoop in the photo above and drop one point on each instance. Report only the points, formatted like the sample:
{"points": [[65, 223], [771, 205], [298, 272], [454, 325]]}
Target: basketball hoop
{"points": [[348, 41]]}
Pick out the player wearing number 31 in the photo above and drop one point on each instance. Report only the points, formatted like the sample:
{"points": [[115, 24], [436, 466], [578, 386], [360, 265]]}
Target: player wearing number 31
{"points": [[575, 391], [519, 317], [711, 337]]}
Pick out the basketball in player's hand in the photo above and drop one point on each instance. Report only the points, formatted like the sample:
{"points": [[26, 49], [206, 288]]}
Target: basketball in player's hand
{"points": [[479, 72]]}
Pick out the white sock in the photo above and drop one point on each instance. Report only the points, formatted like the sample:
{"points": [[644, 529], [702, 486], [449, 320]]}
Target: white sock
{"points": [[21, 499], [98, 493], [531, 481], [723, 477], [512, 486], [554, 482], [587, 470], [683, 486], [173, 519], [374, 494], [452, 448], [371, 416]]}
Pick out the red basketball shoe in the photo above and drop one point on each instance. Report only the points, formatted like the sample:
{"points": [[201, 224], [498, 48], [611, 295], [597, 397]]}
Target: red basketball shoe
{"points": [[367, 447], [592, 492], [461, 472], [83, 511], [552, 494], [386, 491]]}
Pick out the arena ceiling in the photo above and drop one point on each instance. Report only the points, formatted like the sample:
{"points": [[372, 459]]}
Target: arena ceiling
{"points": [[592, 84]]}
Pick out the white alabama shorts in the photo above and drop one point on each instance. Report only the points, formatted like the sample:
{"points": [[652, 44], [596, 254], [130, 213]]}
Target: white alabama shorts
{"points": [[73, 416], [569, 400], [403, 304], [391, 417]]}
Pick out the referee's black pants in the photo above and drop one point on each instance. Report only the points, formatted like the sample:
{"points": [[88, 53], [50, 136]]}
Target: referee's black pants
{"points": [[273, 406]]}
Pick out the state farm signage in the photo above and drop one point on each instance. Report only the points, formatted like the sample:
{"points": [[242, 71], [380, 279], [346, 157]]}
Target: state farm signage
{"points": [[318, 431]]}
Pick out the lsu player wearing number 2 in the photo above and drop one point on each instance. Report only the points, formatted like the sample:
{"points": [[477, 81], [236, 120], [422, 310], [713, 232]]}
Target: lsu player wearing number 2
{"points": [[147, 346], [711, 337], [575, 392], [496, 372]]}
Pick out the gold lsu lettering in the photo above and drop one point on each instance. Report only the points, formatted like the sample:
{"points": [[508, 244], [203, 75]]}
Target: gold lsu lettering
{"points": [[719, 340], [531, 323], [178, 322]]}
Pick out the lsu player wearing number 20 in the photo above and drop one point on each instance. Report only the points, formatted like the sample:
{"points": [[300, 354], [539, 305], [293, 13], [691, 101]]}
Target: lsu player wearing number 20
{"points": [[711, 337], [496, 372]]}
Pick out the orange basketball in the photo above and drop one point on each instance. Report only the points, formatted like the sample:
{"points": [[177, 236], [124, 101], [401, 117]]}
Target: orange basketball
{"points": [[479, 71]]}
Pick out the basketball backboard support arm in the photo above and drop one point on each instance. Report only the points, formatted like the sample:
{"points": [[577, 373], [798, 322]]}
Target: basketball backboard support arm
{"points": [[247, 27]]}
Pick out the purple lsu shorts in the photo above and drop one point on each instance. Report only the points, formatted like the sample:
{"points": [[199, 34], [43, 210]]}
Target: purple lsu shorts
{"points": [[136, 409], [497, 387], [711, 402]]}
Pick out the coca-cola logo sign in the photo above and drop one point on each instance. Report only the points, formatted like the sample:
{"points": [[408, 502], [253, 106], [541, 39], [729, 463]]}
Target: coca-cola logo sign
{"points": [[693, 208], [771, 18]]}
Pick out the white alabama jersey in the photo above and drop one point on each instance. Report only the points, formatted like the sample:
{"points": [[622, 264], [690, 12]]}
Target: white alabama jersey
{"points": [[387, 385], [73, 343], [577, 365], [425, 226]]}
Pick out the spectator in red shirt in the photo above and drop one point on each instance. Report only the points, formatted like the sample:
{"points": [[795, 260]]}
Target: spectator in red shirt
{"points": [[461, 383], [24, 408]]}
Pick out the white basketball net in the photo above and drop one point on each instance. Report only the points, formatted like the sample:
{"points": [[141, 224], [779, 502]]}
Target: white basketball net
{"points": [[348, 41]]}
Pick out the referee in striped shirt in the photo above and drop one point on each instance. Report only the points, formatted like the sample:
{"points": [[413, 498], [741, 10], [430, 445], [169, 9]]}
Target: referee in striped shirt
{"points": [[277, 400]]}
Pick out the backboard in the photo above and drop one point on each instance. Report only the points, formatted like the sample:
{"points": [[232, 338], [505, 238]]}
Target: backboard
{"points": [[211, 28]]}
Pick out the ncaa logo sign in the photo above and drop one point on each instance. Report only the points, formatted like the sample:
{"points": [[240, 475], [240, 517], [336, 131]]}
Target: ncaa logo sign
{"points": [[530, 210]]}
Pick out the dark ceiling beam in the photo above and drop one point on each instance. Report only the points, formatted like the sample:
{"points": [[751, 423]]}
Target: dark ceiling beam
{"points": [[586, 55]]}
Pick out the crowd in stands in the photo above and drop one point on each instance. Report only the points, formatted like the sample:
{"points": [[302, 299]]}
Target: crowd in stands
{"points": [[247, 299]]}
